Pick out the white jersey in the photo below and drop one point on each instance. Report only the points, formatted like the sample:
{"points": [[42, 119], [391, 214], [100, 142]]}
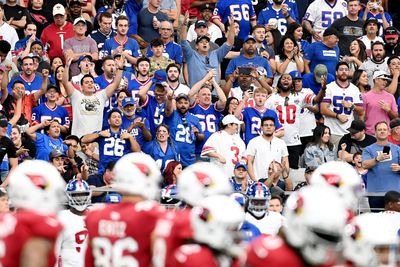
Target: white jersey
{"points": [[231, 147], [322, 14], [334, 96], [307, 118], [72, 242], [264, 153], [269, 224], [288, 110]]}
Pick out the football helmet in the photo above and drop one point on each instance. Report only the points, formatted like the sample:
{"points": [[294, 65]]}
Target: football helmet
{"points": [[259, 196], [343, 177], [216, 222], [169, 198], [79, 194], [36, 185], [137, 174], [315, 221], [367, 235], [200, 180]]}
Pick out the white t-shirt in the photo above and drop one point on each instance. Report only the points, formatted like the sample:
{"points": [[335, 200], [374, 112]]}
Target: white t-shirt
{"points": [[307, 118], [181, 89], [72, 242], [289, 113], [9, 34], [321, 14], [213, 30], [77, 79], [231, 147], [87, 112], [264, 153], [269, 224], [334, 96]]}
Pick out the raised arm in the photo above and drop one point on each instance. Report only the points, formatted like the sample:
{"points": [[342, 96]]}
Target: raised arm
{"points": [[43, 88], [69, 88], [4, 83], [184, 28], [31, 131], [220, 105], [110, 89]]}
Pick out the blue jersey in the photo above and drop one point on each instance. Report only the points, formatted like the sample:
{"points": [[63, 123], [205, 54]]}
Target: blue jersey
{"points": [[237, 187], [172, 51], [136, 132], [132, 8], [100, 38], [292, 7], [162, 158], [155, 113], [209, 118], [318, 53], [242, 11], [130, 46], [31, 86], [182, 132], [378, 17], [270, 15], [252, 119], [21, 45], [45, 144], [112, 149], [43, 113], [134, 86]]}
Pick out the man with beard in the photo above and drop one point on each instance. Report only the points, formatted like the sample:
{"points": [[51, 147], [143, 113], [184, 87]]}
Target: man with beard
{"points": [[342, 99], [249, 57], [173, 71], [142, 77], [378, 61], [288, 104], [206, 12], [185, 128], [28, 77], [392, 46], [370, 31], [276, 16]]}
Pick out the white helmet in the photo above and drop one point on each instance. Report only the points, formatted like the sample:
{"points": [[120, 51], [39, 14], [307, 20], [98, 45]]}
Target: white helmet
{"points": [[342, 176], [216, 222], [79, 194], [137, 174], [315, 221], [36, 185], [368, 232], [200, 180]]}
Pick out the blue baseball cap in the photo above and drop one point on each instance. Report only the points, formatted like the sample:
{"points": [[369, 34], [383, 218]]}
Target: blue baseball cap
{"points": [[239, 164], [250, 37], [128, 101], [159, 77], [295, 74], [83, 57], [113, 198]]}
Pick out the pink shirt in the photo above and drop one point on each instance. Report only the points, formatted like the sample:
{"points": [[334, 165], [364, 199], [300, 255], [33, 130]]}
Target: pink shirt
{"points": [[373, 112]]}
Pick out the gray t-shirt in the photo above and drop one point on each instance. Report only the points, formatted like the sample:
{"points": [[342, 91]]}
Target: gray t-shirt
{"points": [[87, 45], [145, 24]]}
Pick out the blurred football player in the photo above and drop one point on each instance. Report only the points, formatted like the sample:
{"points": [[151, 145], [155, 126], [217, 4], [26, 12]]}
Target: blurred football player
{"points": [[169, 198], [215, 222], [71, 244], [27, 236], [312, 235], [269, 222], [174, 229], [119, 234]]}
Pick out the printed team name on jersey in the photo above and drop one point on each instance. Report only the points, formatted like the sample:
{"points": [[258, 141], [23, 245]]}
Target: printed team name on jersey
{"points": [[112, 228], [329, 53]]}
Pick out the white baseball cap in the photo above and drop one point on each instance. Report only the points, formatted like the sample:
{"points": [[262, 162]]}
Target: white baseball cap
{"points": [[79, 19], [230, 119], [381, 75], [58, 9]]}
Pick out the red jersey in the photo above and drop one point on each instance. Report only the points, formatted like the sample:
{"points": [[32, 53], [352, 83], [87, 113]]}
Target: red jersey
{"points": [[171, 232], [272, 251], [16, 229], [120, 234], [194, 255], [55, 36]]}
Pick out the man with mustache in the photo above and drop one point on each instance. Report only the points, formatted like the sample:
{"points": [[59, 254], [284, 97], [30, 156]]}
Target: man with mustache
{"points": [[377, 61]]}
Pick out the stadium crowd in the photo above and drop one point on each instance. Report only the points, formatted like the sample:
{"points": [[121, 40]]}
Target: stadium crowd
{"points": [[258, 126]]}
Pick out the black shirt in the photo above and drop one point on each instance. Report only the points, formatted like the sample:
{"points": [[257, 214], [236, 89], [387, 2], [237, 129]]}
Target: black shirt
{"points": [[7, 148], [353, 146], [350, 30], [41, 18], [17, 12]]}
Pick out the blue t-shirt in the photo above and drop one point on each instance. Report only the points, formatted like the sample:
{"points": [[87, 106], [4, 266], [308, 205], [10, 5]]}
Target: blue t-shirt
{"points": [[270, 15], [309, 82], [318, 53], [181, 132], [131, 46], [242, 11], [209, 118], [132, 9], [45, 144], [381, 178], [112, 149], [160, 157], [172, 51], [252, 119]]}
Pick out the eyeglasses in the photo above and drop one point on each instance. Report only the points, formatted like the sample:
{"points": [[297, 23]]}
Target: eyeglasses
{"points": [[286, 101]]}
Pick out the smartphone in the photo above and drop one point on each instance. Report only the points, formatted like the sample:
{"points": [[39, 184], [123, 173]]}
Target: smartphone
{"points": [[245, 70], [386, 149]]}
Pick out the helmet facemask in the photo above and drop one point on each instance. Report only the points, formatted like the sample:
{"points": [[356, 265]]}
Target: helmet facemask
{"points": [[79, 200]]}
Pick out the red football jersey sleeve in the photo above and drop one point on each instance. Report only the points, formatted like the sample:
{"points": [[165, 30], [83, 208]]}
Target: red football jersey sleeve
{"points": [[19, 228], [120, 234]]}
